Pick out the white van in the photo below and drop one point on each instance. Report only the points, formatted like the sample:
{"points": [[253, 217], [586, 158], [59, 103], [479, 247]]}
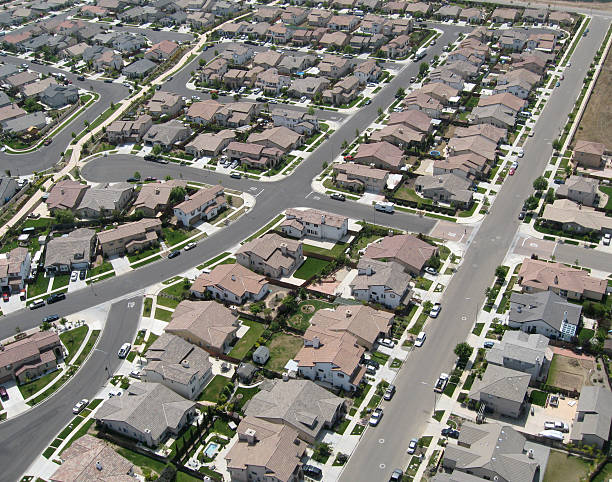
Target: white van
{"points": [[420, 339], [384, 207], [552, 434]]}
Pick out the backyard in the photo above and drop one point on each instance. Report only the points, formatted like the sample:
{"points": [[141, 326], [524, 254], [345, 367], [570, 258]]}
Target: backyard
{"points": [[213, 389], [282, 347], [310, 268], [242, 346], [569, 373], [301, 321], [565, 467]]}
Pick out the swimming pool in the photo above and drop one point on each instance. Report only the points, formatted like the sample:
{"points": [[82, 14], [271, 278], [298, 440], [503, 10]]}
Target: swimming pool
{"points": [[210, 449]]}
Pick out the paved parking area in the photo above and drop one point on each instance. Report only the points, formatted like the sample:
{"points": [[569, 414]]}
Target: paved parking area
{"points": [[528, 245], [15, 403]]}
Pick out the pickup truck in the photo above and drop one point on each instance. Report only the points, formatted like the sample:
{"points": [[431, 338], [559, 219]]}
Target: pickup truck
{"points": [[441, 383]]}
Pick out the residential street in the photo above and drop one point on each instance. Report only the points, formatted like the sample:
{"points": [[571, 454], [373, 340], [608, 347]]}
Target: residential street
{"points": [[383, 448]]}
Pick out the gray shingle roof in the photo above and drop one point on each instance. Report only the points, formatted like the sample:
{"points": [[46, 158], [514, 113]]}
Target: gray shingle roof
{"points": [[546, 306], [503, 383], [75, 247], [518, 345]]}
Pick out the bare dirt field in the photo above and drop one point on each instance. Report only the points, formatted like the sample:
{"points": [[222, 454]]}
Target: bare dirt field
{"points": [[596, 123], [569, 373]]}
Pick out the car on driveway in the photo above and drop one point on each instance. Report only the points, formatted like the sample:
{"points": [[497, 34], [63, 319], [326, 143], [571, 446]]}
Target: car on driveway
{"points": [[338, 197], [3, 394], [74, 276], [412, 446], [389, 392], [5, 296], [189, 246], [488, 344], [431, 270], [376, 416], [312, 471], [397, 475], [560, 426], [78, 408], [435, 310], [606, 239], [124, 350], [82, 274], [388, 342]]}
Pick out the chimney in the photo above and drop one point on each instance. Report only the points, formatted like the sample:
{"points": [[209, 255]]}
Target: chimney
{"points": [[186, 197], [62, 192], [283, 248], [233, 277], [157, 191], [251, 436], [565, 316], [369, 271], [285, 377], [440, 180], [530, 453], [316, 343], [322, 218], [185, 363], [519, 309], [348, 313], [99, 465], [556, 280]]}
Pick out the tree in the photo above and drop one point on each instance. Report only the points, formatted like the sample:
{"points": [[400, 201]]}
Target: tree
{"points": [[400, 93], [500, 272], [550, 196], [423, 68], [202, 62], [311, 110], [64, 216], [556, 144], [463, 351], [540, 183], [137, 175], [531, 203], [177, 194], [427, 306], [157, 149]]}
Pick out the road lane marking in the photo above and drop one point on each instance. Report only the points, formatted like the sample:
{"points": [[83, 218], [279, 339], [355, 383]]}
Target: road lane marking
{"points": [[307, 195], [259, 192], [131, 304]]}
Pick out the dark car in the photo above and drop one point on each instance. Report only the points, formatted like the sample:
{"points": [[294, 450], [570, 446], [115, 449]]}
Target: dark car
{"points": [[82, 275], [132, 179], [55, 298], [488, 344], [373, 363], [108, 81], [338, 197], [368, 102], [450, 432], [522, 215], [50, 318], [150, 157], [260, 99], [81, 78], [397, 475], [174, 254], [3, 393], [48, 141], [312, 471]]}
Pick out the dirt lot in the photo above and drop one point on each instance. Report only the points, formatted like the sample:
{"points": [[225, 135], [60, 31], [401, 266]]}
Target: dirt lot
{"points": [[569, 373], [596, 124]]}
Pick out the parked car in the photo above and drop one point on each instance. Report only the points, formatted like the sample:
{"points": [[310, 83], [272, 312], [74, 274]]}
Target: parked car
{"points": [[560, 426], [441, 383], [150, 178], [37, 304], [81, 78], [521, 215], [189, 246], [150, 157], [489, 344], [511, 172], [48, 141], [412, 446], [388, 342], [78, 408], [5, 296], [435, 311], [420, 339], [450, 432], [3, 393], [174, 254], [397, 475], [50, 318], [337, 196], [132, 179], [74, 276], [370, 370], [431, 270], [236, 175], [82, 274], [606, 239], [349, 158], [55, 298], [389, 392], [124, 350], [368, 102], [312, 471], [135, 374], [376, 416], [552, 434]]}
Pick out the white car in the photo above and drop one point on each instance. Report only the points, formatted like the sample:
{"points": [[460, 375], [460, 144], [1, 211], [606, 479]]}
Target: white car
{"points": [[560, 426], [420, 339], [435, 311], [521, 153], [189, 246], [80, 406], [376, 416], [303, 98], [431, 270], [74, 276], [606, 239], [124, 350], [387, 342], [412, 446]]}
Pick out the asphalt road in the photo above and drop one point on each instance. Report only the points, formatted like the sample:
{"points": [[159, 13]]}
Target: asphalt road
{"points": [[27, 435], [47, 156], [383, 448]]}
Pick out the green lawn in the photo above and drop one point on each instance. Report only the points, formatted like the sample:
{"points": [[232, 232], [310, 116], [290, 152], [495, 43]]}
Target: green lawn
{"points": [[409, 194], [59, 281], [91, 341], [143, 254], [335, 251], [478, 329], [247, 394], [310, 268], [39, 287], [362, 242], [301, 320], [142, 460], [73, 339], [607, 190], [178, 289], [103, 268], [282, 348], [605, 474], [213, 389], [538, 398], [214, 260], [417, 327], [148, 304], [29, 389], [423, 283], [163, 315], [168, 302], [565, 467], [174, 236], [222, 427], [242, 346]]}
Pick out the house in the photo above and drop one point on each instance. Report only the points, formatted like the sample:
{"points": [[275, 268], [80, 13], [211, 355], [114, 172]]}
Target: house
{"points": [[164, 103], [35, 89], [8, 188], [492, 451], [507, 100], [267, 14], [545, 42], [448, 12], [261, 355], [444, 85], [207, 324], [271, 255], [254, 155], [66, 194], [503, 15], [574, 218], [121, 131], [591, 424], [237, 54], [418, 100], [495, 134], [314, 224], [292, 64], [89, 458], [29, 122], [514, 40], [167, 135], [331, 358], [544, 313], [177, 364], [405, 249], [146, 412], [449, 188], [281, 138], [528, 353], [246, 372], [139, 69], [364, 323], [534, 62], [104, 201], [57, 96], [267, 59], [334, 40], [70, 252], [382, 155], [279, 34], [153, 198], [518, 82], [414, 119], [358, 178], [535, 15], [213, 71], [381, 282], [205, 204], [496, 115], [589, 154], [271, 81], [210, 144], [471, 15], [334, 67], [399, 135], [502, 390], [129, 237], [300, 122], [464, 69], [560, 18], [478, 145], [345, 91], [265, 451], [346, 23], [237, 114], [162, 50], [318, 17], [571, 283], [581, 190], [300, 404], [203, 112], [399, 46], [30, 357]]}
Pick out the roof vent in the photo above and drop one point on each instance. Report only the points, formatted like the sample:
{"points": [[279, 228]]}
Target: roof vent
{"points": [[530, 453], [519, 309], [147, 430], [556, 280], [565, 316], [185, 363], [99, 465], [348, 313], [316, 343], [322, 218], [233, 277]]}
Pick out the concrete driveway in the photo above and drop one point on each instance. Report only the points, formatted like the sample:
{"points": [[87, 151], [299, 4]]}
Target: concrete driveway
{"points": [[15, 403]]}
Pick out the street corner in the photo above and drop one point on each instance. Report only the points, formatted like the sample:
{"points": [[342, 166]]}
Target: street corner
{"points": [[529, 245], [452, 232]]}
